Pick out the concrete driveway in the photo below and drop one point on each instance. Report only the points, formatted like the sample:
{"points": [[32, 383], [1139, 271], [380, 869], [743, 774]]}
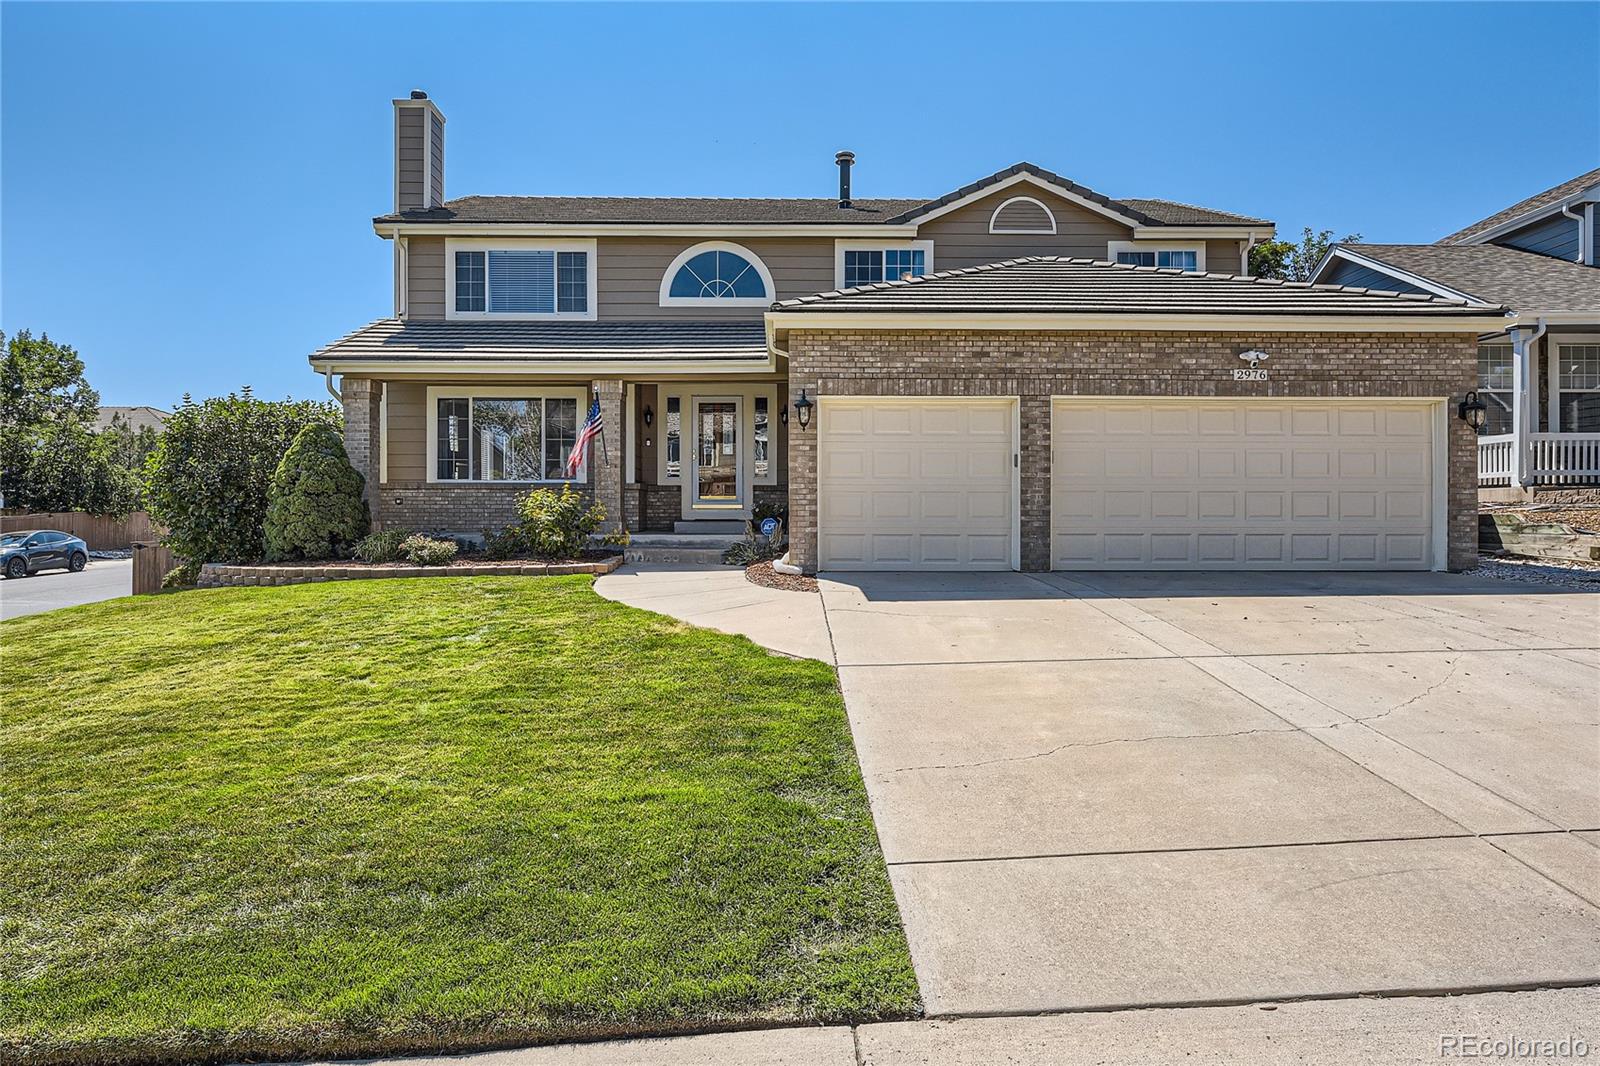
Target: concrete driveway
{"points": [[102, 579], [1158, 789]]}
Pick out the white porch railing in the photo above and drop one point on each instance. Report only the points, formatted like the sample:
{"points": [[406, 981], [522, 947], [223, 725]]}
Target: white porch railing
{"points": [[1565, 458], [1553, 459], [1494, 459]]}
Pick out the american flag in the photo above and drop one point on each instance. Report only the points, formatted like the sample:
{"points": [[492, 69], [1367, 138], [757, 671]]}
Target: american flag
{"points": [[591, 429]]}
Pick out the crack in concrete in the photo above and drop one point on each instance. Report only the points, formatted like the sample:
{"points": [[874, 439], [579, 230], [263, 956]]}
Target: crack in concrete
{"points": [[1424, 694], [1080, 744]]}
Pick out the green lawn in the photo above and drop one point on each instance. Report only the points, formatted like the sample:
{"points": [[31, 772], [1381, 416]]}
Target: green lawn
{"points": [[383, 815]]}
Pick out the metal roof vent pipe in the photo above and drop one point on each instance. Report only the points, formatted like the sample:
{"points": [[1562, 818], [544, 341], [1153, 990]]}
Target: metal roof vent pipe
{"points": [[844, 159]]}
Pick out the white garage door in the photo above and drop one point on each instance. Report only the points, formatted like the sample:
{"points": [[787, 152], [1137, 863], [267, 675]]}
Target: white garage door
{"points": [[1236, 485], [915, 484]]}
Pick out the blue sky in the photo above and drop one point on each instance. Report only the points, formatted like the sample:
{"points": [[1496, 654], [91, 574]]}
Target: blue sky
{"points": [[188, 188]]}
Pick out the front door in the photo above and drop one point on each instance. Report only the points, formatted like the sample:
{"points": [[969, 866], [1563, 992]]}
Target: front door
{"points": [[718, 471]]}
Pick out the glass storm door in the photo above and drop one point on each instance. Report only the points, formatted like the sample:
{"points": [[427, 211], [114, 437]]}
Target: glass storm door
{"points": [[716, 459]]}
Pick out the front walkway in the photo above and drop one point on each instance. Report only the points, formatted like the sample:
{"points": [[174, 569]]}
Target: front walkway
{"points": [[721, 598], [1152, 790]]}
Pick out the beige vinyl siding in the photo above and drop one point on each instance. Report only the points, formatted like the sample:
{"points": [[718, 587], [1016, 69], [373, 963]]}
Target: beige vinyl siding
{"points": [[411, 164], [1223, 256], [425, 267], [408, 431], [630, 269], [962, 238], [436, 153]]}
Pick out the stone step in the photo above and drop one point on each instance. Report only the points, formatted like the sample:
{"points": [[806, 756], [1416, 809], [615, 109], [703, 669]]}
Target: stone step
{"points": [[700, 548], [728, 526], [673, 556]]}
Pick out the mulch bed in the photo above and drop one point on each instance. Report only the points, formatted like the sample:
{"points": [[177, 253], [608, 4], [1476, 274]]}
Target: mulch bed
{"points": [[763, 574]]}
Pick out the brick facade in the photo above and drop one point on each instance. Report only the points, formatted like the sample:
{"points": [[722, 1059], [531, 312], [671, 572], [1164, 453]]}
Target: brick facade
{"points": [[361, 435], [1038, 365]]}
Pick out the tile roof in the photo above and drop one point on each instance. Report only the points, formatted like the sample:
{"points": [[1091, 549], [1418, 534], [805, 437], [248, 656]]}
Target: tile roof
{"points": [[727, 210], [389, 339], [1549, 197], [1061, 285], [1497, 274]]}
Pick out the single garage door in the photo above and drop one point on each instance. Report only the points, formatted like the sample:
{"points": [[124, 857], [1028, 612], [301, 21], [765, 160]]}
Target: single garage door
{"points": [[1242, 484], [915, 484]]}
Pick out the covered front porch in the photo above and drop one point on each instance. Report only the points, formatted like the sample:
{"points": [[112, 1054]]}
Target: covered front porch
{"points": [[1540, 387]]}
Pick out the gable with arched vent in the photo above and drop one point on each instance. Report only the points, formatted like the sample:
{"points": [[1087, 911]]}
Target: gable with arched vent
{"points": [[1022, 214]]}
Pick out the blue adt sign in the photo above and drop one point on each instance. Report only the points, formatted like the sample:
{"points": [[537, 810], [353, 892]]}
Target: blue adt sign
{"points": [[769, 526]]}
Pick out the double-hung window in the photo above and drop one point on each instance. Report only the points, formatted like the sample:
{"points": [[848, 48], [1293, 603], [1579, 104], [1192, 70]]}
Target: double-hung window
{"points": [[1578, 386], [526, 437], [1494, 387], [521, 283], [860, 264]]}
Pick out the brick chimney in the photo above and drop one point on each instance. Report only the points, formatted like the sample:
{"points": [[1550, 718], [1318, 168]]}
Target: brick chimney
{"points": [[418, 153]]}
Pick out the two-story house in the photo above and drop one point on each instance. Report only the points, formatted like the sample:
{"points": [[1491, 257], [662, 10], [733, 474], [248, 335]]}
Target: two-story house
{"points": [[1540, 376], [1022, 373]]}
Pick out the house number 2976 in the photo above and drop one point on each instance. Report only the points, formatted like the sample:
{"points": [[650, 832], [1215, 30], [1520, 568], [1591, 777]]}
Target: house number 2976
{"points": [[1250, 374]]}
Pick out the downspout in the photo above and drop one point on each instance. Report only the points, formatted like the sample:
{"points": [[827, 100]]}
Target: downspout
{"points": [[327, 379], [1583, 235], [1523, 353]]}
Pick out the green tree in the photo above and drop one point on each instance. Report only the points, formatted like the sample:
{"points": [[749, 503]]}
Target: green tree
{"points": [[314, 504], [208, 479], [1291, 261], [51, 458]]}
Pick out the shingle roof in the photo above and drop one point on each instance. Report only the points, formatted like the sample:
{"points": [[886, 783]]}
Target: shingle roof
{"points": [[1172, 213], [1496, 274], [690, 210], [1059, 285], [391, 340], [728, 210], [1550, 196]]}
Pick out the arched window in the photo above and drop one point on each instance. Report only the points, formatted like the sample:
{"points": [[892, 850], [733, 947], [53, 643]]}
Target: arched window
{"points": [[1022, 214], [717, 273]]}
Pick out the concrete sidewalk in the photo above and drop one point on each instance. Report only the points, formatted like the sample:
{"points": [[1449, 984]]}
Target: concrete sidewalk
{"points": [[1393, 1032], [721, 598]]}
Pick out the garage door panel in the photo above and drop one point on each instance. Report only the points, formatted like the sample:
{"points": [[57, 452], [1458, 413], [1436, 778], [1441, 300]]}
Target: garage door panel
{"points": [[1244, 484], [916, 484]]}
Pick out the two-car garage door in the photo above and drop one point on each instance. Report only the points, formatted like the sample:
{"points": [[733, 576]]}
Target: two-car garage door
{"points": [[1242, 485], [1204, 484]]}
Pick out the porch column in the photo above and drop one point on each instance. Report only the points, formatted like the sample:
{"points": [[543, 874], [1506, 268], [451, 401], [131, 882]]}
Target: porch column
{"points": [[1522, 422], [606, 460]]}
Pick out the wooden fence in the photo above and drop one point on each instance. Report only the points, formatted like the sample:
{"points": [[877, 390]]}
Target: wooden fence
{"points": [[150, 564], [100, 532]]}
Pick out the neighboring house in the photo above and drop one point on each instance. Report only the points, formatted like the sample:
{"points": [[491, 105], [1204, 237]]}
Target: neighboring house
{"points": [[1540, 376], [135, 418], [1020, 374]]}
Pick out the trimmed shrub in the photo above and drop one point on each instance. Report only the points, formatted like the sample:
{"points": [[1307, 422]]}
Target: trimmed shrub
{"points": [[558, 524], [382, 546], [314, 504], [508, 543], [206, 482], [419, 549]]}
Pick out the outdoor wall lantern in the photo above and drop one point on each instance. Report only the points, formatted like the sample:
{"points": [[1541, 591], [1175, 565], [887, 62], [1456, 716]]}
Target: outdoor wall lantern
{"points": [[649, 416], [802, 409], [1472, 411]]}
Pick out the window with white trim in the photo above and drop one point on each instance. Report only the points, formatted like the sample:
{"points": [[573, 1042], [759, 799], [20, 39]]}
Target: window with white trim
{"points": [[504, 438], [716, 273], [1161, 257], [522, 282], [1496, 364], [1578, 387], [868, 266]]}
